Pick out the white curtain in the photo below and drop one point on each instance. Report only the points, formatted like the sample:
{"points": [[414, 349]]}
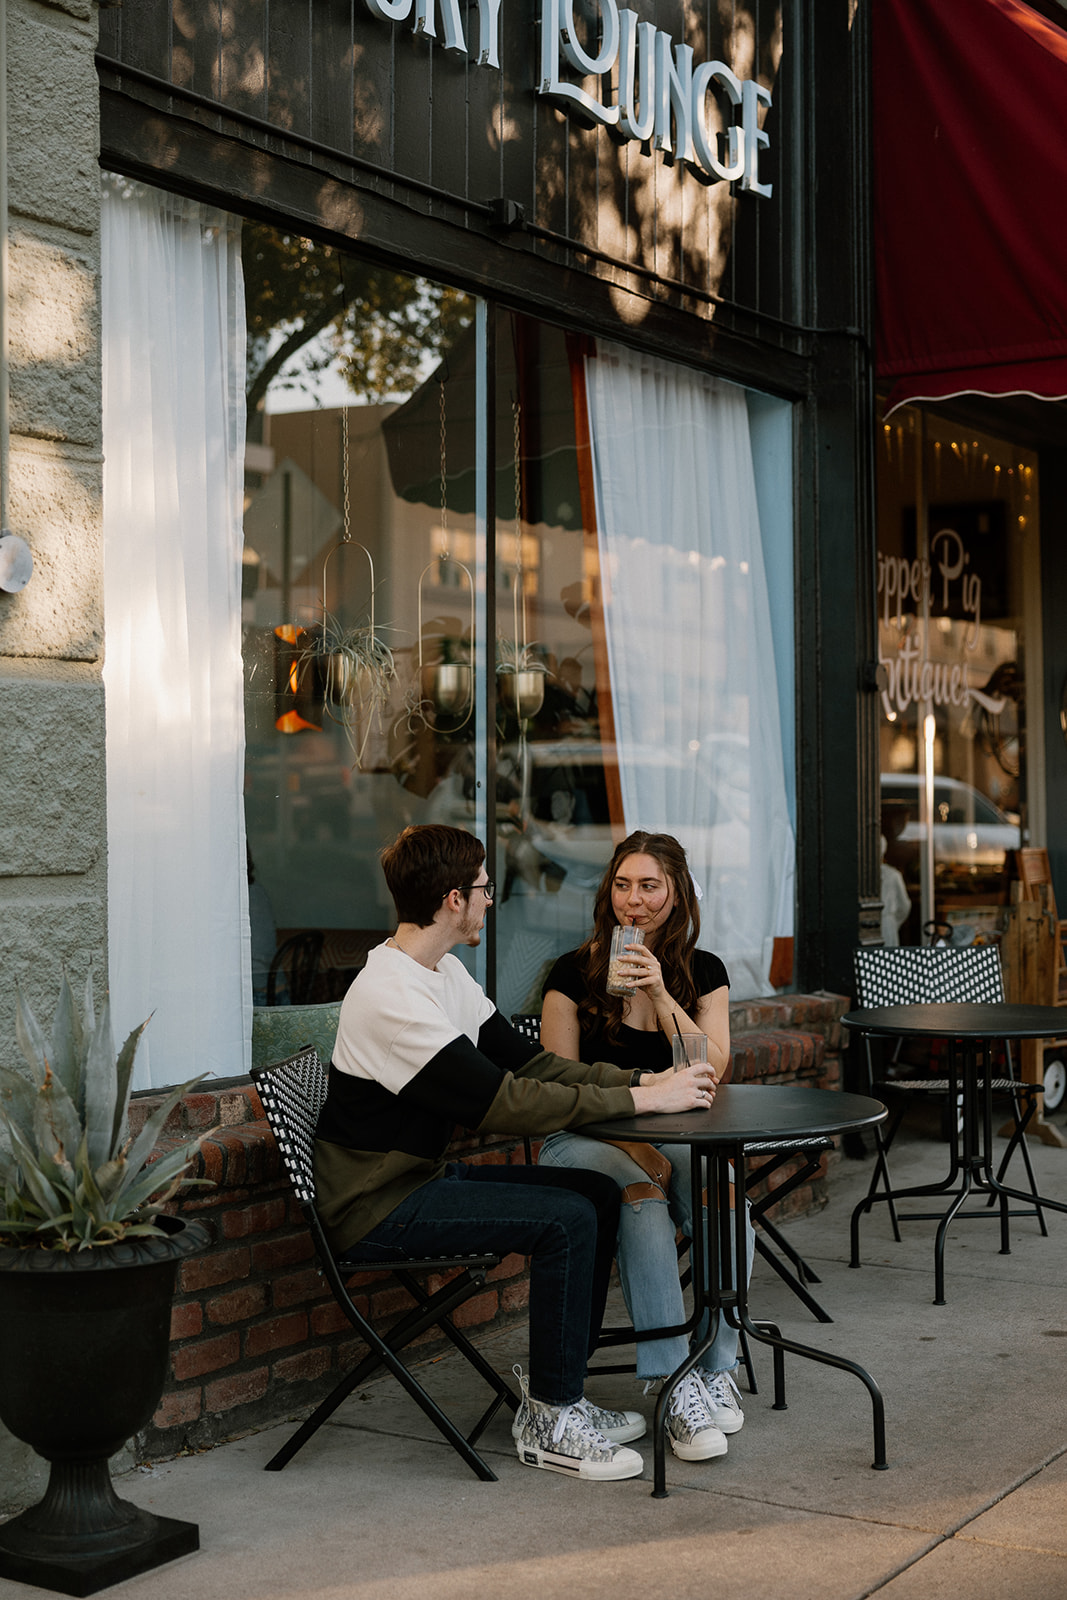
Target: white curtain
{"points": [[690, 650], [173, 359]]}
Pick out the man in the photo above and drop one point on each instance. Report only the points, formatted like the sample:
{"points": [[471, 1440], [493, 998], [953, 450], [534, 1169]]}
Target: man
{"points": [[419, 1048]]}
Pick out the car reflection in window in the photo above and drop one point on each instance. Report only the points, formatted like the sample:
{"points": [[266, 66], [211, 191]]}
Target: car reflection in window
{"points": [[972, 837]]}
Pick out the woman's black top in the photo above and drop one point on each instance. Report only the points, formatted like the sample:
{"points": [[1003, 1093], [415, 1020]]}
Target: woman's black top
{"points": [[651, 1052]]}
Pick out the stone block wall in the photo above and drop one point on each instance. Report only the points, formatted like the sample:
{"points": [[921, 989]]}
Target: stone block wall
{"points": [[53, 839], [256, 1335], [53, 854]]}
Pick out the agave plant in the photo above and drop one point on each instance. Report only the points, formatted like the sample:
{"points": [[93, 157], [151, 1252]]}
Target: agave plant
{"points": [[71, 1177]]}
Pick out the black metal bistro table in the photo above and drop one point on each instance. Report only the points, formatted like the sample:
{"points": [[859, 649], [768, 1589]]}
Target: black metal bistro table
{"points": [[971, 1031], [741, 1114]]}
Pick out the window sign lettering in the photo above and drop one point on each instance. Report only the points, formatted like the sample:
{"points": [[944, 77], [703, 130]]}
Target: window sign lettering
{"points": [[941, 586], [704, 115]]}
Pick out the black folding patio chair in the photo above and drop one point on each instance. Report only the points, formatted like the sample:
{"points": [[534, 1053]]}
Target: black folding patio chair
{"points": [[292, 1093], [931, 975]]}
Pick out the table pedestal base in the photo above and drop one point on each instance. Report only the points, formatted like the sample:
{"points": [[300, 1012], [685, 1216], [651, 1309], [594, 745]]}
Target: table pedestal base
{"points": [[726, 1294], [742, 1115]]}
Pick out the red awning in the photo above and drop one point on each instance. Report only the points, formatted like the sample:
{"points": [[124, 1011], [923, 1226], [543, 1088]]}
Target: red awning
{"points": [[970, 199]]}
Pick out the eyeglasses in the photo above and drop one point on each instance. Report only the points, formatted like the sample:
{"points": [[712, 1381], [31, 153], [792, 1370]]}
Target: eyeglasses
{"points": [[488, 888]]}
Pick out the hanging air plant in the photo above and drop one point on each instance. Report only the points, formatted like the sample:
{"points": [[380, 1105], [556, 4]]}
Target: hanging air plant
{"points": [[353, 664], [358, 672], [358, 667], [521, 676]]}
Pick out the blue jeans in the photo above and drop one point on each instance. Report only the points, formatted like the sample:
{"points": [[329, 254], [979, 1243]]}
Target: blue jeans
{"points": [[566, 1222], [648, 1260]]}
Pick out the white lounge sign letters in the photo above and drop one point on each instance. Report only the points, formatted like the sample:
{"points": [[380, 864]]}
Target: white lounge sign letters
{"points": [[658, 85]]}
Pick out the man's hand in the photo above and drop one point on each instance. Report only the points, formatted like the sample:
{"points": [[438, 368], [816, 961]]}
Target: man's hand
{"points": [[692, 1089]]}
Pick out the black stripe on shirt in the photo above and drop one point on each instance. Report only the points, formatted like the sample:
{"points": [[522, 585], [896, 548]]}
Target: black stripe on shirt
{"points": [[505, 1045], [458, 1082], [363, 1115]]}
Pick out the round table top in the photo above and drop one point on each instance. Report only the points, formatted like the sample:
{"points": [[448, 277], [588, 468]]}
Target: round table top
{"points": [[962, 1021], [748, 1112]]}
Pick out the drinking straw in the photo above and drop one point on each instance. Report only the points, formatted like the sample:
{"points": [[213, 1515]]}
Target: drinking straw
{"points": [[678, 1031]]}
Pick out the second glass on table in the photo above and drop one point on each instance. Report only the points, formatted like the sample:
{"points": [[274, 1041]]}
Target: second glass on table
{"points": [[618, 980], [689, 1050]]}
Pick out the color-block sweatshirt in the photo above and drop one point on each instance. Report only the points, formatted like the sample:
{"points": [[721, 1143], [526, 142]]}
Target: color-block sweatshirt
{"points": [[417, 1052]]}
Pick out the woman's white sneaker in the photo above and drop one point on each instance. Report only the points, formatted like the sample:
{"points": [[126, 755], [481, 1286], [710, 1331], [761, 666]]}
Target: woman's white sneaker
{"points": [[691, 1428], [724, 1400]]}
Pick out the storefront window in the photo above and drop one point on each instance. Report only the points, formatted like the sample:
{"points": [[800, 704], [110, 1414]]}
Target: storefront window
{"points": [[608, 662], [957, 618]]}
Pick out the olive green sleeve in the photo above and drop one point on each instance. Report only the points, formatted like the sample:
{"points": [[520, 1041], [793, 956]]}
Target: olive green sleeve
{"points": [[550, 1068], [525, 1105]]}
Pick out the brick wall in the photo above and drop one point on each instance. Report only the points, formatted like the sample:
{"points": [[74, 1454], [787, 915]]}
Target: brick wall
{"points": [[255, 1334], [796, 1039]]}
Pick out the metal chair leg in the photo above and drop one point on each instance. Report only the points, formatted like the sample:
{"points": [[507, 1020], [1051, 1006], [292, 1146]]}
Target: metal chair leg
{"points": [[384, 1353]]}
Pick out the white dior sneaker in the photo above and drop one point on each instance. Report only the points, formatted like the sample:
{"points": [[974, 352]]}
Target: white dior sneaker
{"points": [[724, 1400], [562, 1439], [691, 1427]]}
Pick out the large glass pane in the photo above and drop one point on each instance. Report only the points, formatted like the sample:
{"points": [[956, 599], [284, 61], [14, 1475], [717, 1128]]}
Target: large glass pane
{"points": [[373, 642], [957, 536], [636, 685], [361, 566]]}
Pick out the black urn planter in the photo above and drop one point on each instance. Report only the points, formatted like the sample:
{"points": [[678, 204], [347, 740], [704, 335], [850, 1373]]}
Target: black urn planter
{"points": [[84, 1342]]}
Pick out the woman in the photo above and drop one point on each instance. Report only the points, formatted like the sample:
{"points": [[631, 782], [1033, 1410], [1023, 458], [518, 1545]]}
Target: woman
{"points": [[677, 988]]}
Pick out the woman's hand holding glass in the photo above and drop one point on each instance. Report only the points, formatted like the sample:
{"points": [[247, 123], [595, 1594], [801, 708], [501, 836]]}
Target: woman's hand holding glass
{"points": [[640, 967], [692, 1089]]}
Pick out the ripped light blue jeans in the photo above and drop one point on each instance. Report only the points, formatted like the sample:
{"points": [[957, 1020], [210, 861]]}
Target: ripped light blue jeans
{"points": [[647, 1258]]}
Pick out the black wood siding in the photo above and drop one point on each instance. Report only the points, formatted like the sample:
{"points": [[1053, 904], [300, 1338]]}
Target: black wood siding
{"points": [[430, 130]]}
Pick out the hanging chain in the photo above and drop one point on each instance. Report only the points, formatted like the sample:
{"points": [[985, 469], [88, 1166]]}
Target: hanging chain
{"points": [[444, 488], [516, 413], [345, 499], [519, 597]]}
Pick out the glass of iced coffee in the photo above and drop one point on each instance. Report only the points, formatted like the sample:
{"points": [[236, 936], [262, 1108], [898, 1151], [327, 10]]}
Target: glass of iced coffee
{"points": [[618, 980]]}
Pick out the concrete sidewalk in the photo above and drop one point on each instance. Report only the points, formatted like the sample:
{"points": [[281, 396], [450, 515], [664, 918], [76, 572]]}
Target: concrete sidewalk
{"points": [[973, 1503]]}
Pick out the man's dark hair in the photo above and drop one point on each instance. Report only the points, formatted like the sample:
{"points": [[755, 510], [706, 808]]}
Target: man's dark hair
{"points": [[424, 864]]}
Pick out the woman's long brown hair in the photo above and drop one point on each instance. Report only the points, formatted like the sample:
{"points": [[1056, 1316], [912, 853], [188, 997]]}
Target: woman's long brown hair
{"points": [[674, 943]]}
